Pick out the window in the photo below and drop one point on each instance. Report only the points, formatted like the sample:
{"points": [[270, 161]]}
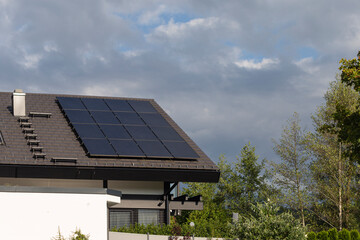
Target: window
{"points": [[120, 219], [126, 217], [147, 216]]}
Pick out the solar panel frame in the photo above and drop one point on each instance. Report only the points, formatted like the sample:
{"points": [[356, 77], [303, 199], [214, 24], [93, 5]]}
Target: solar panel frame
{"points": [[88, 131], [99, 147], [104, 124], [95, 104], [119, 105], [181, 149], [104, 117], [114, 131], [142, 106], [71, 103], [166, 133], [79, 116], [154, 149], [126, 148], [131, 118], [141, 133], [154, 119]]}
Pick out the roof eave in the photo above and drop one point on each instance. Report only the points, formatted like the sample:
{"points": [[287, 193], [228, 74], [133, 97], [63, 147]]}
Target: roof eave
{"points": [[113, 173]]}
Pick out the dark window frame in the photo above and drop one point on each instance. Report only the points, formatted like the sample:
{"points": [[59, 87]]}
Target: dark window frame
{"points": [[134, 214]]}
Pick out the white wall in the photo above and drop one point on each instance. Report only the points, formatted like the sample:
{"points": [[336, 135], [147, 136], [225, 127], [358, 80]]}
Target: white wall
{"points": [[25, 215]]}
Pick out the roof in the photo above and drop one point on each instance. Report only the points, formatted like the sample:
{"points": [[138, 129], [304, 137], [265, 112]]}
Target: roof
{"points": [[60, 142]]}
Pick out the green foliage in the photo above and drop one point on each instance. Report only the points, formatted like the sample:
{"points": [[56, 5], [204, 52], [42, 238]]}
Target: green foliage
{"points": [[291, 174], [333, 234], [268, 223], [354, 235], [162, 229], [347, 124], [311, 236], [344, 234], [77, 235], [323, 235]]}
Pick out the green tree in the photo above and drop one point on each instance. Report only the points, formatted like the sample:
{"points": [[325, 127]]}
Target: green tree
{"points": [[247, 182], [347, 121], [267, 223], [333, 172], [290, 175]]}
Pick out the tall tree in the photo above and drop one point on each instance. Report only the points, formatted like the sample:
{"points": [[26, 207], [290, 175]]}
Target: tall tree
{"points": [[333, 172], [347, 122], [290, 174]]}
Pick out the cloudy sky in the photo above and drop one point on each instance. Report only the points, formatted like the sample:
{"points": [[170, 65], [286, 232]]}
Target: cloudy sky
{"points": [[228, 72]]}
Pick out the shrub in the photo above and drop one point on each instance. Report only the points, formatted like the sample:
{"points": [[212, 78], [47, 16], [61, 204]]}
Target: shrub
{"points": [[267, 223], [323, 235], [344, 235], [333, 234], [311, 236], [354, 235]]}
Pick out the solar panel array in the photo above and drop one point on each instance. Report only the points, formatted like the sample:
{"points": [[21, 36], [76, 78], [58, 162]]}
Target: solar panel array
{"points": [[124, 128]]}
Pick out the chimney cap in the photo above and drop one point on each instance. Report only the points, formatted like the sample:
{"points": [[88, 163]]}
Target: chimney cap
{"points": [[18, 90]]}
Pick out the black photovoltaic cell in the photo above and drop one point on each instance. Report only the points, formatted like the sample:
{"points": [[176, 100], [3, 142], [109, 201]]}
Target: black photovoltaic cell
{"points": [[119, 105], [154, 149], [99, 147], [141, 133], [180, 150], [142, 106], [104, 117], [124, 128], [127, 148], [77, 116], [95, 104], [129, 118], [166, 133], [154, 119], [70, 103], [88, 131], [115, 132]]}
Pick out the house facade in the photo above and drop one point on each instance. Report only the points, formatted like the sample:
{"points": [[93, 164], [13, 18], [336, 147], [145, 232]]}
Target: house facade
{"points": [[93, 163]]}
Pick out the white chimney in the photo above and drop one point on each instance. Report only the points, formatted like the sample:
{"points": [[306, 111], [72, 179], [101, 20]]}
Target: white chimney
{"points": [[18, 102]]}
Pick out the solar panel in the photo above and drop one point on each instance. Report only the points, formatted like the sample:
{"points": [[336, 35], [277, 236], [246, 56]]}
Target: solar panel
{"points": [[88, 131], [166, 133], [127, 148], [141, 133], [77, 116], [142, 106], [104, 117], [98, 147], [71, 103], [115, 132], [154, 119], [124, 128], [119, 105], [95, 104], [154, 149], [180, 149], [129, 118]]}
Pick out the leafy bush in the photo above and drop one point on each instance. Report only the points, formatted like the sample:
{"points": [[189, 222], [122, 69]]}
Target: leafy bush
{"points": [[344, 235], [268, 224], [333, 234], [162, 229], [77, 235], [323, 235], [311, 236], [354, 235]]}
